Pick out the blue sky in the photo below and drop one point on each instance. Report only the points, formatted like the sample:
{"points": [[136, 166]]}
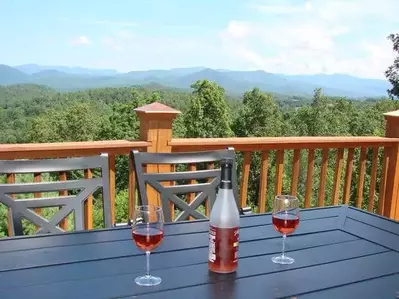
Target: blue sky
{"points": [[279, 36]]}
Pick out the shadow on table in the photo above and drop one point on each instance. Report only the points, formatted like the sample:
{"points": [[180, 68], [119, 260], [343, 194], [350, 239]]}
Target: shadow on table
{"points": [[222, 286]]}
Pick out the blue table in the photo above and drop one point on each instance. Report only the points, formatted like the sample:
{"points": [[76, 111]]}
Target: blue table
{"points": [[339, 252]]}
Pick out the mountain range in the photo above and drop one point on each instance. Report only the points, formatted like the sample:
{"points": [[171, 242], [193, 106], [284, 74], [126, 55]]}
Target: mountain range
{"points": [[64, 78]]}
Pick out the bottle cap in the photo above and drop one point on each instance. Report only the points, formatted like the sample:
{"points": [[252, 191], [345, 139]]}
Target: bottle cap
{"points": [[226, 162], [226, 165]]}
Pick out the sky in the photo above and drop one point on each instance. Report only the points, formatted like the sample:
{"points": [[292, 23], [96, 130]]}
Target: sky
{"points": [[277, 36]]}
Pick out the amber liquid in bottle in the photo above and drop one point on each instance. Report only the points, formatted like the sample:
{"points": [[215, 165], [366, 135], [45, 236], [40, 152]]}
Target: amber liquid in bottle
{"points": [[224, 257], [224, 226]]}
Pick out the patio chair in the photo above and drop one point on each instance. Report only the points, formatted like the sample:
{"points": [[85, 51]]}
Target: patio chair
{"points": [[24, 208], [206, 189]]}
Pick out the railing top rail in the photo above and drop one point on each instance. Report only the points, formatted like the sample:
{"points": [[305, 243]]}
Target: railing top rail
{"points": [[277, 143], [68, 149]]}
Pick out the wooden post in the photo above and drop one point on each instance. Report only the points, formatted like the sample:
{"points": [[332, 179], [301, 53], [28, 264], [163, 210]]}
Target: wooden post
{"points": [[391, 200], [156, 122]]}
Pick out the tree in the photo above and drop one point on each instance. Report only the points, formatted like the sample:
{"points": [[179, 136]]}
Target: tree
{"points": [[324, 117], [77, 122], [259, 116], [208, 114], [392, 72]]}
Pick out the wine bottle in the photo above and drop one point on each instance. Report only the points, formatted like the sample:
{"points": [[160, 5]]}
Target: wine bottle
{"points": [[224, 224]]}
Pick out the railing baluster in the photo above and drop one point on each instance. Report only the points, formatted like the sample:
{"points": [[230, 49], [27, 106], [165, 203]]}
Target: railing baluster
{"points": [[348, 176], [362, 170], [263, 182], [309, 178], [391, 206], [132, 190], [373, 179], [37, 178], [384, 173], [207, 204], [63, 177], [337, 175], [323, 176], [295, 171], [88, 205], [111, 166], [10, 180], [279, 171], [244, 178]]}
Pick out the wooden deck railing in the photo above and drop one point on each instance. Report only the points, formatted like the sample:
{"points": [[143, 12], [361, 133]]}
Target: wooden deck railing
{"points": [[333, 152], [298, 159]]}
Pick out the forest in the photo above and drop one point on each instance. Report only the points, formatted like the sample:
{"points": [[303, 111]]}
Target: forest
{"points": [[33, 113]]}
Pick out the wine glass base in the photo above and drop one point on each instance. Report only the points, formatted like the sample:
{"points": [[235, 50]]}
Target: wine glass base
{"points": [[148, 280], [283, 260]]}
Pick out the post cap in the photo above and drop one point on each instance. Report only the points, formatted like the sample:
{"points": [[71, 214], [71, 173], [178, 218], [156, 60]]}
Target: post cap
{"points": [[156, 108], [392, 114]]}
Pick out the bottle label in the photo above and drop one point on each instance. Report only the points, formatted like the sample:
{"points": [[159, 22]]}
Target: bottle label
{"points": [[223, 246]]}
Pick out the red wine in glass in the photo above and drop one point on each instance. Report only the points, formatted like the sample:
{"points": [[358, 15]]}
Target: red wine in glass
{"points": [[285, 223], [285, 220], [147, 233], [147, 237]]}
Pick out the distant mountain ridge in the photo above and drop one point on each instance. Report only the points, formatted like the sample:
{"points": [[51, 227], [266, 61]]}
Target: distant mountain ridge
{"points": [[34, 68], [75, 78]]}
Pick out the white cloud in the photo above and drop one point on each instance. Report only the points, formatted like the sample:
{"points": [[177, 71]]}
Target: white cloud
{"points": [[112, 43], [143, 52], [354, 10], [113, 23], [332, 9], [308, 5], [81, 40], [307, 49], [317, 36], [237, 29], [284, 8]]}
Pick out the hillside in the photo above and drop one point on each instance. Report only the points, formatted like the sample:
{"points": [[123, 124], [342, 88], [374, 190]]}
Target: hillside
{"points": [[9, 75], [234, 82]]}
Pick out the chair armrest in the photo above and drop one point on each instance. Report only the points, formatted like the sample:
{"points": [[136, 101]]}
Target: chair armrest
{"points": [[128, 223], [245, 211]]}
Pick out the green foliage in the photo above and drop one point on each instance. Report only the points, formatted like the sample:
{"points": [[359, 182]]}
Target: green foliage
{"points": [[392, 72], [121, 207], [37, 114], [323, 117], [78, 122], [259, 116], [208, 114]]}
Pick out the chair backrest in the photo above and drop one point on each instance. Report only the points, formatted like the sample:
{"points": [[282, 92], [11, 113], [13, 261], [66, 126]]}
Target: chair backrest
{"points": [[23, 208], [168, 194]]}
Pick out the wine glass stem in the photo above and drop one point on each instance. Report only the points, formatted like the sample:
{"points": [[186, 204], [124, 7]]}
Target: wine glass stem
{"points": [[147, 255], [284, 237]]}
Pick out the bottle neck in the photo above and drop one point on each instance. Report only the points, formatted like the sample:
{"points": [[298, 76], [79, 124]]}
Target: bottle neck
{"points": [[226, 177]]}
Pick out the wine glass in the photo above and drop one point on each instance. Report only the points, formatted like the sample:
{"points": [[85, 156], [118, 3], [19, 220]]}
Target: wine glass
{"points": [[285, 220], [147, 233]]}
